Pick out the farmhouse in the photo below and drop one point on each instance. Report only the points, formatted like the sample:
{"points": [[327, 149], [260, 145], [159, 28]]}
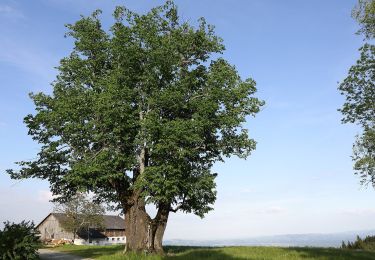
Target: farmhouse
{"points": [[113, 232]]}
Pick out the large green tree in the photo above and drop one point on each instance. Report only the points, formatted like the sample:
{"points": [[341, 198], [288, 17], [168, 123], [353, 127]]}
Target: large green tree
{"points": [[139, 114], [359, 90]]}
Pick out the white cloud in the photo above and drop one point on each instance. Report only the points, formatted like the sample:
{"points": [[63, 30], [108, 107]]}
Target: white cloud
{"points": [[247, 190], [31, 60], [359, 212], [273, 210], [45, 196], [8, 11], [20, 202]]}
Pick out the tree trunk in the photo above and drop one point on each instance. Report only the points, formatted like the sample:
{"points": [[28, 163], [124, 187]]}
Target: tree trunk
{"points": [[160, 225], [136, 225], [144, 234]]}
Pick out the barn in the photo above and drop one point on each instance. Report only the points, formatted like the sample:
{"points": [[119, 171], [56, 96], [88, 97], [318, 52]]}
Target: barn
{"points": [[113, 233]]}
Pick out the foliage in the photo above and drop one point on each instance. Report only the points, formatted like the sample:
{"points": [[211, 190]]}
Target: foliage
{"points": [[142, 110], [366, 244], [150, 84], [225, 253], [81, 214], [19, 241], [359, 91], [364, 156], [364, 13]]}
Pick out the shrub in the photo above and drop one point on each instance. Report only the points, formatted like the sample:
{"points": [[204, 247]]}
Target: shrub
{"points": [[19, 241]]}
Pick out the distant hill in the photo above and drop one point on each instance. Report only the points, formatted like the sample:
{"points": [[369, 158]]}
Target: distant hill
{"points": [[313, 240]]}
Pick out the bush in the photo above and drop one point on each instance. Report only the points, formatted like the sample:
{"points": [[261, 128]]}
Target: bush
{"points": [[365, 244], [19, 241]]}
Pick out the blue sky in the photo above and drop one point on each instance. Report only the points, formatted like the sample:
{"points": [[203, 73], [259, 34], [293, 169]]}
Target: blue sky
{"points": [[300, 178]]}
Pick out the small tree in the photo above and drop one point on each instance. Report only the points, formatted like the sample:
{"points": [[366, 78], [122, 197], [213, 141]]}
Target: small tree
{"points": [[81, 214], [19, 241]]}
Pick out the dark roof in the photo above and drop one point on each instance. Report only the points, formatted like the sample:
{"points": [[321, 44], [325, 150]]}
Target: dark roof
{"points": [[114, 222], [94, 233], [110, 221]]}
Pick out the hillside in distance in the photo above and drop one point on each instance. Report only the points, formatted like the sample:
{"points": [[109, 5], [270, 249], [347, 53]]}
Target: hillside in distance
{"points": [[288, 240]]}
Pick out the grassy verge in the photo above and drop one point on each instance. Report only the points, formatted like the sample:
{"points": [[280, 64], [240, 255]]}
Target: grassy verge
{"points": [[225, 253]]}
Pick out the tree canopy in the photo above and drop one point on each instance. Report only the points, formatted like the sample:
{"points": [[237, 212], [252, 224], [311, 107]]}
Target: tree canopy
{"points": [[359, 90], [364, 13], [139, 114]]}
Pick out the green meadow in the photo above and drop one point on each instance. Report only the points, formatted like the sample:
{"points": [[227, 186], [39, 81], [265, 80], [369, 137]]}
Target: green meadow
{"points": [[229, 253]]}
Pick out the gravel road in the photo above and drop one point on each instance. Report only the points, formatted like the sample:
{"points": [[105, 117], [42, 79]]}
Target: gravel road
{"points": [[46, 254]]}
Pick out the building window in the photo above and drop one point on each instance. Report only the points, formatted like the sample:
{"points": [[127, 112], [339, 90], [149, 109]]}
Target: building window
{"points": [[107, 239], [113, 239], [118, 239]]}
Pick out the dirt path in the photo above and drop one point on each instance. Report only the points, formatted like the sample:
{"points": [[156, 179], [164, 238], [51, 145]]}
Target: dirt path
{"points": [[46, 254]]}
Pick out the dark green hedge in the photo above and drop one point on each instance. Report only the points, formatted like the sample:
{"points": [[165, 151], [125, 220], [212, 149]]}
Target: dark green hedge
{"points": [[19, 241]]}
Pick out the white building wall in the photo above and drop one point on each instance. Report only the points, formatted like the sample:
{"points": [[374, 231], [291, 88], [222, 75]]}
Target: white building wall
{"points": [[102, 241]]}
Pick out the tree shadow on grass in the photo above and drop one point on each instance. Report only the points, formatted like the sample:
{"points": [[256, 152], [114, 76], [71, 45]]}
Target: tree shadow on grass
{"points": [[92, 251], [171, 253], [224, 253], [191, 252], [182, 249], [196, 253], [332, 253]]}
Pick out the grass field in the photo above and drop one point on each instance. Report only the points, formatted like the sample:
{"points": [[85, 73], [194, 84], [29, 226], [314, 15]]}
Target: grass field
{"points": [[226, 253]]}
